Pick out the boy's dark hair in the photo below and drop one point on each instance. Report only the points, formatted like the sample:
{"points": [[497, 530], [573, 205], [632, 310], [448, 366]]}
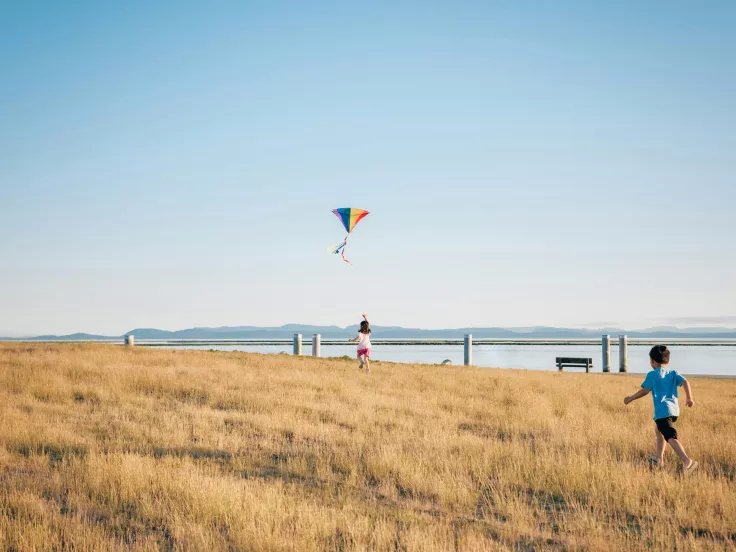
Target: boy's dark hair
{"points": [[365, 327], [660, 354]]}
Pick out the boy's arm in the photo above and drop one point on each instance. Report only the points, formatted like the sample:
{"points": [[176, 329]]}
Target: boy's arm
{"points": [[643, 392], [689, 393]]}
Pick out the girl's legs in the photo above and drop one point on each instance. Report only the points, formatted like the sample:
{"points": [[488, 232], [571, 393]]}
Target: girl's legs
{"points": [[367, 364], [360, 358]]}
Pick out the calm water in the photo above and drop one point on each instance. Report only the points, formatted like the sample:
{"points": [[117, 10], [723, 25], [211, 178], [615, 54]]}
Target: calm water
{"points": [[714, 360]]}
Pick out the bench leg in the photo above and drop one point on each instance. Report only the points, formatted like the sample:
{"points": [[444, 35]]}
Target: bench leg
{"points": [[587, 367]]}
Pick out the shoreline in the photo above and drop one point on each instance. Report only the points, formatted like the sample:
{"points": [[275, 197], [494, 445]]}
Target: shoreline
{"points": [[194, 345], [634, 342]]}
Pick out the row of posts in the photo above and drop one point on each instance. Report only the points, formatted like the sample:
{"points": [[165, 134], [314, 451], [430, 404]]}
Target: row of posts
{"points": [[623, 360], [623, 342], [316, 342]]}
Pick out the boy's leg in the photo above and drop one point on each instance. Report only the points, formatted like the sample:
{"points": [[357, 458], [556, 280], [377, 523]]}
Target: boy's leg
{"points": [[678, 448], [667, 429], [661, 445]]}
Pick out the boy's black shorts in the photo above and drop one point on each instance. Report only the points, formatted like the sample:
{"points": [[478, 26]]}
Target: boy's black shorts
{"points": [[665, 427]]}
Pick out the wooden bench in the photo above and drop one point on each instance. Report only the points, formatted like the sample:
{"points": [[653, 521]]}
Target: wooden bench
{"points": [[569, 362]]}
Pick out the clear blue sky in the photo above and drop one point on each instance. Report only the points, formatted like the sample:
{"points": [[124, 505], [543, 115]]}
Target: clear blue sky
{"points": [[172, 164]]}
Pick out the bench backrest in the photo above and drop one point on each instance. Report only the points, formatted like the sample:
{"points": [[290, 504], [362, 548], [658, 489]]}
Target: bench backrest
{"points": [[574, 361], [571, 362]]}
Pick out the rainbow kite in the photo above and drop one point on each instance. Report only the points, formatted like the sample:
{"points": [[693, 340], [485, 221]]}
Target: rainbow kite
{"points": [[350, 217]]}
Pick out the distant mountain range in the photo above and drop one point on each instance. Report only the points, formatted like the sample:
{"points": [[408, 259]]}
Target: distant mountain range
{"points": [[395, 332]]}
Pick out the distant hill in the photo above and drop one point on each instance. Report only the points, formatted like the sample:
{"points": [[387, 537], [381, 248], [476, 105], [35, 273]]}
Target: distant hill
{"points": [[70, 337], [393, 332]]}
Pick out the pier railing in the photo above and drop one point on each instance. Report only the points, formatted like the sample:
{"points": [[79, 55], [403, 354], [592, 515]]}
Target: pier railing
{"points": [[316, 341]]}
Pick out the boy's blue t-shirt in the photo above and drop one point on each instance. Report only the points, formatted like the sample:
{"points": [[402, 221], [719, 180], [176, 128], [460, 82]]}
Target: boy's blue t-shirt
{"points": [[663, 384]]}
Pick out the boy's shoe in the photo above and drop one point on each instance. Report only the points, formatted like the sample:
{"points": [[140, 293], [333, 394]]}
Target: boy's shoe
{"points": [[654, 462], [691, 468]]}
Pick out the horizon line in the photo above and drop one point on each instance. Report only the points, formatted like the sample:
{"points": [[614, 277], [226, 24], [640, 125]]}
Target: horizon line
{"points": [[661, 327]]}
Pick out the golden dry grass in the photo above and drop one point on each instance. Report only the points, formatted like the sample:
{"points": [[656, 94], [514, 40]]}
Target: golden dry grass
{"points": [[108, 448]]}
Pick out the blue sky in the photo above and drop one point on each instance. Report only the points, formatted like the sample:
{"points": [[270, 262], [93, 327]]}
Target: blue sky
{"points": [[174, 164]]}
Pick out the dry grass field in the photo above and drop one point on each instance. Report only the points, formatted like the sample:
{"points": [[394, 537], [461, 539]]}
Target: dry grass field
{"points": [[108, 448]]}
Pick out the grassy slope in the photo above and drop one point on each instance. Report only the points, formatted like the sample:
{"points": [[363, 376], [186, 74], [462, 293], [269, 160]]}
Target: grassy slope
{"points": [[103, 447]]}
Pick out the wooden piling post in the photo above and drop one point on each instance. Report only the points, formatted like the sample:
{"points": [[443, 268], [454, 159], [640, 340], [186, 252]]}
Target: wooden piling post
{"points": [[130, 340], [316, 341], [297, 344], [468, 346], [623, 361], [606, 342]]}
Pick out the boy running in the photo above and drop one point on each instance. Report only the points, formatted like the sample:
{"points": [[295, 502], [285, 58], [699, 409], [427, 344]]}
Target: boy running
{"points": [[663, 383]]}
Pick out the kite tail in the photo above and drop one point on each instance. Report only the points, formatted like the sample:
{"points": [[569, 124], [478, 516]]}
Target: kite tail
{"points": [[341, 250]]}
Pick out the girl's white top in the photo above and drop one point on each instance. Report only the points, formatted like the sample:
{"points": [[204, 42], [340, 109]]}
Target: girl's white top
{"points": [[364, 341]]}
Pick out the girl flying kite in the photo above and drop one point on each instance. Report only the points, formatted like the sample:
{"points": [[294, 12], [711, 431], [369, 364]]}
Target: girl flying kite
{"points": [[364, 344]]}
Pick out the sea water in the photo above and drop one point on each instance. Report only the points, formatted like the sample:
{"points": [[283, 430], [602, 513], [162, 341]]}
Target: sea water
{"points": [[686, 359]]}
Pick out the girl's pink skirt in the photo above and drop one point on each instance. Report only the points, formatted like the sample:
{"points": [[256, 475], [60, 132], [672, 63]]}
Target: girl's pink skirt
{"points": [[364, 352]]}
